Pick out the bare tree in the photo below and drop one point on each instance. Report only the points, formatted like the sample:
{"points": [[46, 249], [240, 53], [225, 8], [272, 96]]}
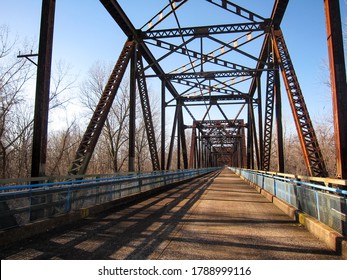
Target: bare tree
{"points": [[116, 129], [141, 145], [16, 110], [62, 84], [325, 134], [143, 156], [14, 75], [61, 149]]}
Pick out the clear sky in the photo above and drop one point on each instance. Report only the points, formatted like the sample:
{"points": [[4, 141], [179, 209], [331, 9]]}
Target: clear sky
{"points": [[85, 33]]}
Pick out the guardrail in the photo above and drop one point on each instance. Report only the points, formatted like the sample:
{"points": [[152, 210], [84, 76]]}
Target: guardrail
{"points": [[23, 204], [325, 203]]}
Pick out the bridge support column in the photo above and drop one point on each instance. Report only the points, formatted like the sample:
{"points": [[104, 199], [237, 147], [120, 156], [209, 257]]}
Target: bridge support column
{"points": [[163, 117], [338, 83], [132, 112], [39, 149], [260, 125], [278, 110]]}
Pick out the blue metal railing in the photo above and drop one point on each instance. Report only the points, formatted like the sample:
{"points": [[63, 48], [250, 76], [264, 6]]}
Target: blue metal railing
{"points": [[325, 203], [22, 204]]}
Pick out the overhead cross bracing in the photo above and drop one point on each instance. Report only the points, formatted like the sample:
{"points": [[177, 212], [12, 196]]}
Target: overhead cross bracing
{"points": [[213, 67]]}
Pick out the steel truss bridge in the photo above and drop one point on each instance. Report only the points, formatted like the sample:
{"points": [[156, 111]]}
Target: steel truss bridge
{"points": [[211, 67]]}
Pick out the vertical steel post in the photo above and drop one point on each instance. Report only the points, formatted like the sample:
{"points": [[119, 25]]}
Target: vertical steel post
{"points": [[172, 141], [193, 148], [132, 111], [278, 110], [255, 148], [163, 117], [179, 137], [260, 124], [39, 150], [338, 83], [249, 137], [183, 138], [203, 150], [243, 152]]}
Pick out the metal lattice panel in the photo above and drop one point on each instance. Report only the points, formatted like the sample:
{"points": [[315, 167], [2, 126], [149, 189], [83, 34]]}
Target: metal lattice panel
{"points": [[269, 108], [147, 114], [206, 30]]}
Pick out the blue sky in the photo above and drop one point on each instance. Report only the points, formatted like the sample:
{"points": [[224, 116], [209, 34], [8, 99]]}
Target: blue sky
{"points": [[85, 33]]}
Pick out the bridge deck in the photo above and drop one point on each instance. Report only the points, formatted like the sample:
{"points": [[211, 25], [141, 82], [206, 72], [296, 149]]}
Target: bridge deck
{"points": [[215, 217]]}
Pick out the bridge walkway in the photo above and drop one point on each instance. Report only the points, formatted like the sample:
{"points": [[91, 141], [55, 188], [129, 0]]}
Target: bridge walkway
{"points": [[213, 217]]}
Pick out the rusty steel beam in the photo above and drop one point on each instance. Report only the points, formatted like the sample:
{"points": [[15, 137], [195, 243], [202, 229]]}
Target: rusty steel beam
{"points": [[182, 137], [147, 113], [276, 19], [86, 148], [130, 31], [260, 127], [279, 125], [172, 141], [132, 113], [307, 137], [269, 110], [117, 13], [39, 149], [338, 83], [163, 129], [192, 156]]}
